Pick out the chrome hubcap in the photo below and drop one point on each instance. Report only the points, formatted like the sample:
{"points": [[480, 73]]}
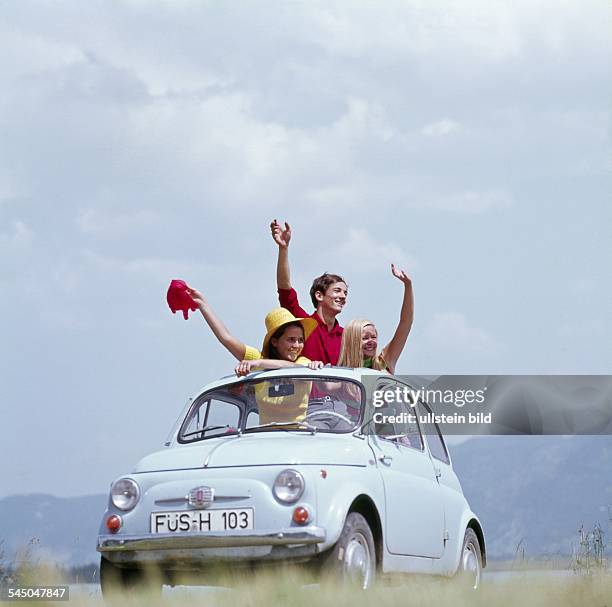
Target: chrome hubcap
{"points": [[471, 565], [358, 561]]}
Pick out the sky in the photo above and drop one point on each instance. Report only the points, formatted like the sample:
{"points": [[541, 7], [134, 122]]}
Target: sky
{"points": [[468, 142]]}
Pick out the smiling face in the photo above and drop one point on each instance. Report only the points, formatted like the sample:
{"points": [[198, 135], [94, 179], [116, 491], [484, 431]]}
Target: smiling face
{"points": [[334, 298], [290, 344], [369, 341]]}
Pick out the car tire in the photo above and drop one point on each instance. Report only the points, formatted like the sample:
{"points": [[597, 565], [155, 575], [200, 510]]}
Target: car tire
{"points": [[116, 581], [470, 562], [353, 558]]}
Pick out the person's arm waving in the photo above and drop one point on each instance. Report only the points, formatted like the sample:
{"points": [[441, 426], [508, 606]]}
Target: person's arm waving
{"points": [[392, 351], [234, 345], [281, 238], [287, 297]]}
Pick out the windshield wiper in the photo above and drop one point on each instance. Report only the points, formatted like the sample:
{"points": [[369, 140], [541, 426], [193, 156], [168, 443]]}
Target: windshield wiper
{"points": [[284, 426], [206, 429]]}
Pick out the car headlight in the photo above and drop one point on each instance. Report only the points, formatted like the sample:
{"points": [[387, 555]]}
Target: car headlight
{"points": [[288, 486], [125, 493]]}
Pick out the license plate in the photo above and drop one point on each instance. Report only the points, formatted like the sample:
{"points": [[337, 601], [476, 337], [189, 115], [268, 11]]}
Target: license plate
{"points": [[202, 520]]}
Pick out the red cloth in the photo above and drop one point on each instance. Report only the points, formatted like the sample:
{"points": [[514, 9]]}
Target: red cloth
{"points": [[179, 299], [322, 344]]}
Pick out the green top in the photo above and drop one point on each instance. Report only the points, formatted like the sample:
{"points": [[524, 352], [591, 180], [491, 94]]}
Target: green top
{"points": [[367, 363]]}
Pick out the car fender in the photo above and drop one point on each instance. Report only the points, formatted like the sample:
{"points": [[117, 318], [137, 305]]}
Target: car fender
{"points": [[455, 542], [338, 490]]}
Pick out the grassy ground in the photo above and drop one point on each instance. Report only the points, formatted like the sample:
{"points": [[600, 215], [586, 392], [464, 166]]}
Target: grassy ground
{"points": [[534, 592], [290, 588]]}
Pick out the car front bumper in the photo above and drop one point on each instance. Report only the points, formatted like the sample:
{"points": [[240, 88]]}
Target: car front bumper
{"points": [[191, 548]]}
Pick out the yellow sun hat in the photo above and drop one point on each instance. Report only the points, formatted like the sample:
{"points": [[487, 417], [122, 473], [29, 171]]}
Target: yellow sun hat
{"points": [[278, 317]]}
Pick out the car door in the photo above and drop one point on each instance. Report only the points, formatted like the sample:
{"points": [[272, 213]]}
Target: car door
{"points": [[414, 513], [452, 494]]}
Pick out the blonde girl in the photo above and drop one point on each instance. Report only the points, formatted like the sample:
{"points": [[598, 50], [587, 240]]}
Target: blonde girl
{"points": [[360, 337]]}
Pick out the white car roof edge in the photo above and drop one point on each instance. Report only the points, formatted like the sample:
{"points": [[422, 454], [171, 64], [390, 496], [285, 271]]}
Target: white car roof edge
{"points": [[339, 372]]}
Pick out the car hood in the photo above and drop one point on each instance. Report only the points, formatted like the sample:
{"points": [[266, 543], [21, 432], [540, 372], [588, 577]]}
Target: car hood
{"points": [[261, 449]]}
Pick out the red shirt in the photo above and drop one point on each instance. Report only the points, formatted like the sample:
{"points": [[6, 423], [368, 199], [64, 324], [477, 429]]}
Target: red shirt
{"points": [[322, 344]]}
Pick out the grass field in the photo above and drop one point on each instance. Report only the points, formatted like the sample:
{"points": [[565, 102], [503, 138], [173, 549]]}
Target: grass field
{"points": [[290, 587]]}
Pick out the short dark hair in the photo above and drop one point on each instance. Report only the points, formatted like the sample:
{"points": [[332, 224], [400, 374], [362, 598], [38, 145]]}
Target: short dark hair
{"points": [[322, 283], [272, 351]]}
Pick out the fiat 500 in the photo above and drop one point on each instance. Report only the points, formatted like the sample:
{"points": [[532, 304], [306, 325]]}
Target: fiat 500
{"points": [[296, 466]]}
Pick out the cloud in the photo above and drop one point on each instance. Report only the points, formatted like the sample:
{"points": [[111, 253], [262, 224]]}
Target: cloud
{"points": [[451, 332], [9, 189], [18, 237], [221, 147], [441, 128], [335, 197], [488, 32], [359, 249], [36, 53], [363, 118], [156, 269], [474, 201], [393, 28], [116, 223]]}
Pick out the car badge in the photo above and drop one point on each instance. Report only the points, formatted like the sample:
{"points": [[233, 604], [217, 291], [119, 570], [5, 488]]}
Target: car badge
{"points": [[201, 497]]}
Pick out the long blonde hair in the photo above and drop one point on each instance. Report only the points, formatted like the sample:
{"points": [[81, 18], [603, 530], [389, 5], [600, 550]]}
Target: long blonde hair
{"points": [[351, 352]]}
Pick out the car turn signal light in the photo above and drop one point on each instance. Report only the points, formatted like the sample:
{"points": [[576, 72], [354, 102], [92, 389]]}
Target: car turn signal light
{"points": [[113, 523], [301, 515]]}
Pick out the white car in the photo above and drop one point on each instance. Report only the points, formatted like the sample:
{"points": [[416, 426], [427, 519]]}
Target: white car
{"points": [[290, 465]]}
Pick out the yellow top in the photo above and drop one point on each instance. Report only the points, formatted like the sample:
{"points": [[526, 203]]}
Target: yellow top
{"points": [[289, 408]]}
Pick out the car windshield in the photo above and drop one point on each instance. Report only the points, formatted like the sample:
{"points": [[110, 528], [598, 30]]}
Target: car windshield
{"points": [[282, 404]]}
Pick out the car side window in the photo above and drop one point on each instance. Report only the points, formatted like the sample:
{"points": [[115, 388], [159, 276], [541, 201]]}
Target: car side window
{"points": [[252, 418], [401, 425], [222, 413], [212, 417], [432, 431]]}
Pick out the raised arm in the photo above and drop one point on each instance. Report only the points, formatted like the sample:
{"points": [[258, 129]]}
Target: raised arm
{"points": [[235, 346], [281, 238], [391, 352]]}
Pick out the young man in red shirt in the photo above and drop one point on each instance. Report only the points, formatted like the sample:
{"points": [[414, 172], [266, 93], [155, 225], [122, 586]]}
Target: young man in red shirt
{"points": [[328, 294]]}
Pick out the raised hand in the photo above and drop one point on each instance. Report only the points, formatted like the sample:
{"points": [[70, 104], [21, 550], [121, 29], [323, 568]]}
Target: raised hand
{"points": [[281, 236], [196, 296], [401, 274]]}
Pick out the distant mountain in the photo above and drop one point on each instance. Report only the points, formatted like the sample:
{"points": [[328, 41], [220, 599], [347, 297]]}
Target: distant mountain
{"points": [[532, 489], [47, 528], [537, 490]]}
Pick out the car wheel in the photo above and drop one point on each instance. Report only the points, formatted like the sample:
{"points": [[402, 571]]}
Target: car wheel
{"points": [[353, 558], [470, 565], [115, 581]]}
